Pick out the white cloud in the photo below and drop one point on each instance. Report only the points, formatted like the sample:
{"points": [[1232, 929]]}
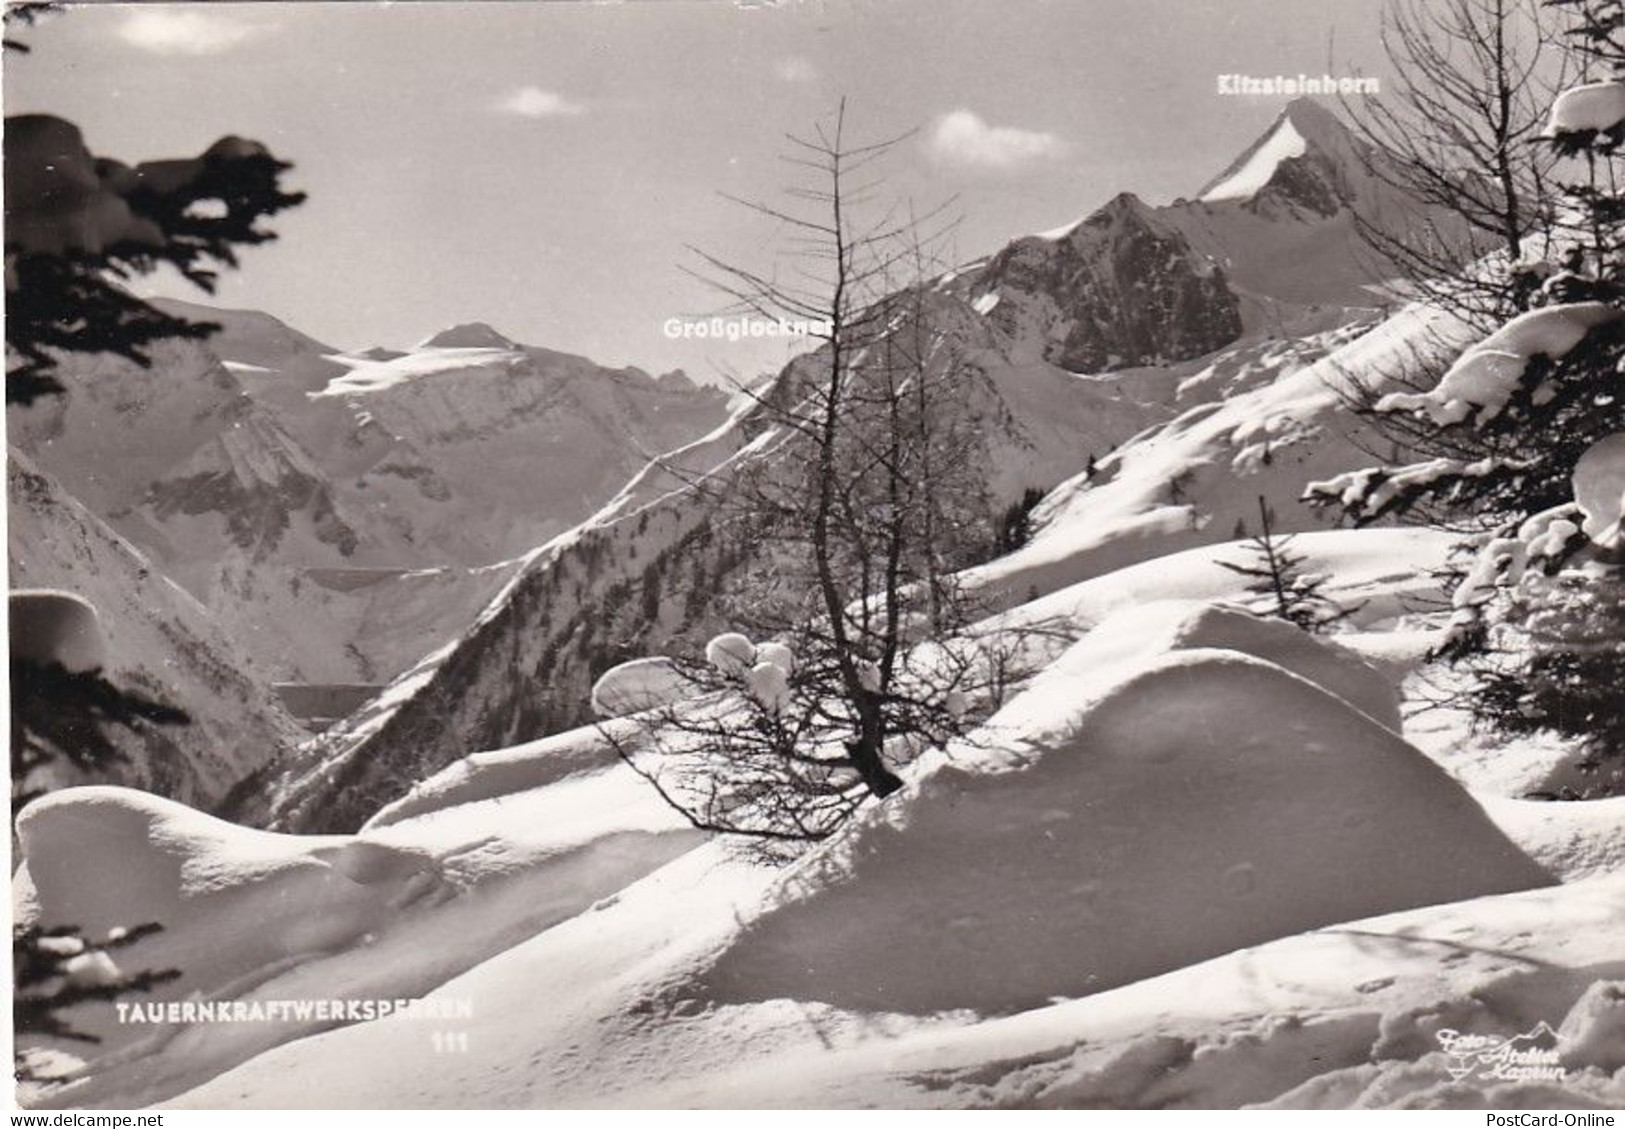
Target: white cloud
{"points": [[795, 69], [534, 102], [184, 31], [962, 138]]}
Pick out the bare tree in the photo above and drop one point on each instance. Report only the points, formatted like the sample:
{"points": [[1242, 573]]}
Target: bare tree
{"points": [[1277, 579], [1457, 131], [1461, 131], [861, 499]]}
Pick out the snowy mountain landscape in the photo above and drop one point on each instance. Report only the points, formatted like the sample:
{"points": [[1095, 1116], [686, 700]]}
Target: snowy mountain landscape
{"points": [[1154, 664]]}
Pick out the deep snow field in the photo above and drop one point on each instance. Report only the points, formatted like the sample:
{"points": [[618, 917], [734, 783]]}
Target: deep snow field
{"points": [[1202, 860]]}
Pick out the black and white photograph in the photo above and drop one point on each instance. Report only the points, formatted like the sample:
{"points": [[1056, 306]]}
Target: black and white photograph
{"points": [[816, 555]]}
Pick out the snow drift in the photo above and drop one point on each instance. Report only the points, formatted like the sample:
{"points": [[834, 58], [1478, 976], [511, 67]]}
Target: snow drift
{"points": [[255, 916], [1182, 806]]}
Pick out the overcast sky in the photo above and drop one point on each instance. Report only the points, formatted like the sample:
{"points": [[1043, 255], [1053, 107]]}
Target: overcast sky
{"points": [[542, 166]]}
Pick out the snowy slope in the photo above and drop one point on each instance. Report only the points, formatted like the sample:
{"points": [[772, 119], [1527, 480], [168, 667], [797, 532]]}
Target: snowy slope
{"points": [[1197, 480], [386, 915], [160, 641], [688, 984], [1121, 799], [1324, 1017]]}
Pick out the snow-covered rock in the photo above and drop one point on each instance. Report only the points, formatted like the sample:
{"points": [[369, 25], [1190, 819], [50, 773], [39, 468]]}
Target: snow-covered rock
{"points": [[1121, 288], [1593, 1033]]}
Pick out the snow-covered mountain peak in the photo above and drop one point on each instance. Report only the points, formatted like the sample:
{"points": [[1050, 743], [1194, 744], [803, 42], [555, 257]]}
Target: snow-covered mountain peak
{"points": [[1306, 160], [1253, 170], [470, 335]]}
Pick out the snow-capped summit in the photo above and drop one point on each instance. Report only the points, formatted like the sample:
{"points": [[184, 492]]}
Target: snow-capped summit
{"points": [[1274, 233], [1306, 158], [469, 335], [1254, 168]]}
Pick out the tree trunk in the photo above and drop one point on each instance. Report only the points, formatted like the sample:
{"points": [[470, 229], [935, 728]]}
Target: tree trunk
{"points": [[866, 751]]}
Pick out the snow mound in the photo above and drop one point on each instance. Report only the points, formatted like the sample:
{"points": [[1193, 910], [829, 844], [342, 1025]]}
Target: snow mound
{"points": [[1592, 107], [248, 915], [1593, 1033], [642, 684], [1200, 786], [48, 627], [1484, 378], [1163, 624], [1178, 625], [104, 857], [504, 772], [1599, 488]]}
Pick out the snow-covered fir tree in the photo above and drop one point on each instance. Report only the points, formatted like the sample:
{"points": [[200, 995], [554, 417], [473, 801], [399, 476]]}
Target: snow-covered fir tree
{"points": [[1497, 444], [1279, 583]]}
